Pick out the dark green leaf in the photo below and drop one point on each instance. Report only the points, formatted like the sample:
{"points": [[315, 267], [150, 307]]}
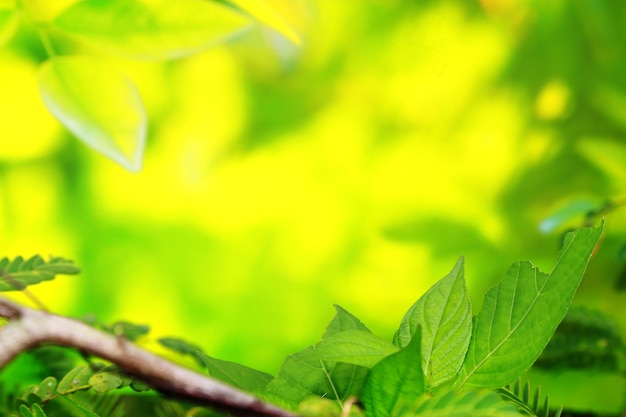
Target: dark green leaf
{"points": [[445, 316], [127, 330], [396, 382], [158, 29], [520, 315]]}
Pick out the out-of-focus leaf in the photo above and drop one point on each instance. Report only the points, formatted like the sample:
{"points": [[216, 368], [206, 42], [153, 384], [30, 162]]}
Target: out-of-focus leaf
{"points": [[18, 273], [47, 388], [260, 10], [184, 347], [9, 21], [127, 330], [74, 380], [444, 314], [607, 154], [156, 29], [97, 104], [565, 214], [105, 381], [34, 411]]}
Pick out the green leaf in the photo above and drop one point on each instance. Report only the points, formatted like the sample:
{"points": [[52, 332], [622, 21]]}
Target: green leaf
{"points": [[34, 411], [18, 273], [105, 381], [75, 380], [480, 403], [86, 412], [183, 347], [520, 315], [303, 374], [260, 10], [127, 330], [396, 382], [157, 29], [571, 210], [237, 375], [356, 347], [98, 104], [47, 388], [343, 321], [445, 316]]}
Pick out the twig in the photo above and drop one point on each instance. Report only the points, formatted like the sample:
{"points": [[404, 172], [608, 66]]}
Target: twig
{"points": [[28, 328]]}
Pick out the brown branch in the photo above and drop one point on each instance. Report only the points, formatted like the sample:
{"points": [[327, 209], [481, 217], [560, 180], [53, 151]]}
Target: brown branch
{"points": [[28, 328]]}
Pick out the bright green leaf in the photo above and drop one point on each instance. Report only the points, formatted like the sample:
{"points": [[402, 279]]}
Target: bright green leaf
{"points": [[396, 382], [157, 29], [356, 347], [445, 316], [97, 104], [520, 315], [300, 377], [105, 381], [260, 10], [303, 374], [481, 403], [237, 375], [343, 321]]}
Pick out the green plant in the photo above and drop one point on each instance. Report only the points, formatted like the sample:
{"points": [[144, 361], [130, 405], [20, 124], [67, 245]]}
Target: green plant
{"points": [[85, 92], [442, 361]]}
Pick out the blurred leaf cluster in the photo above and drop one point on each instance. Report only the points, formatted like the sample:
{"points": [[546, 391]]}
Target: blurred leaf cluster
{"points": [[338, 152]]}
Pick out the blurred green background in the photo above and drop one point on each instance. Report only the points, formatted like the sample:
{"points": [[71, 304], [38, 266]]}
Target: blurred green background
{"points": [[354, 169]]}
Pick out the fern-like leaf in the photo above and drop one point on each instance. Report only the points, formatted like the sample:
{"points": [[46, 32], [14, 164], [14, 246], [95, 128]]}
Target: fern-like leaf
{"points": [[528, 404], [18, 273]]}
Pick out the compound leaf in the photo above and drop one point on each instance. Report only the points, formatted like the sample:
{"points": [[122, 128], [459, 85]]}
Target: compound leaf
{"points": [[17, 274], [445, 316], [396, 382], [466, 404], [155, 29], [99, 105], [520, 315]]}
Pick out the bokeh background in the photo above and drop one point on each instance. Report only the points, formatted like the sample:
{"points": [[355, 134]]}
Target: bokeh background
{"points": [[354, 169]]}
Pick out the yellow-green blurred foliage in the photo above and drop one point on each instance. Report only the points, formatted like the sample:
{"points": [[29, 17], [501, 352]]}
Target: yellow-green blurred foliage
{"points": [[353, 169]]}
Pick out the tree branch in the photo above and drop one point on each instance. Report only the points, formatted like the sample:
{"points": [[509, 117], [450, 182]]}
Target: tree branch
{"points": [[28, 328]]}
